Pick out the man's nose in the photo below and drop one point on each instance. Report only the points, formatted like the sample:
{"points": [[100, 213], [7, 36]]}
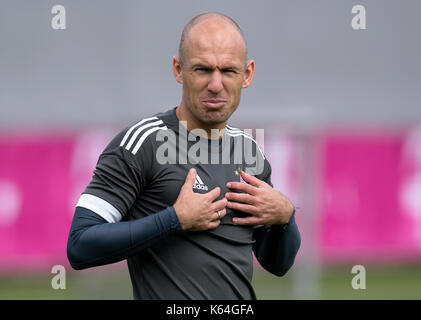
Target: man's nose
{"points": [[215, 83]]}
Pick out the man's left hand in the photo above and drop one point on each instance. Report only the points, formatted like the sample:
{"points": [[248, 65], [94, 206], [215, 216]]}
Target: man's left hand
{"points": [[265, 205]]}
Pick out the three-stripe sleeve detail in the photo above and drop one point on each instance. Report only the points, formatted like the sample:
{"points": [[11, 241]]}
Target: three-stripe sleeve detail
{"points": [[138, 133], [235, 132]]}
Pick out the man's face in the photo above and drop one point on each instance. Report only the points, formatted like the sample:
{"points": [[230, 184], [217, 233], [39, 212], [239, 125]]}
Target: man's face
{"points": [[213, 73]]}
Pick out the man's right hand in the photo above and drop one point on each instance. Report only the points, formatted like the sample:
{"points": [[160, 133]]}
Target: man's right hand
{"points": [[196, 211]]}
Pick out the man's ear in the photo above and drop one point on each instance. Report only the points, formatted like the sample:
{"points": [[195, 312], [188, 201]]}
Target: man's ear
{"points": [[248, 74], [177, 70]]}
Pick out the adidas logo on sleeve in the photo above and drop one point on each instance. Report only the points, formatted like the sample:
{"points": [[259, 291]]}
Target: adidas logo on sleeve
{"points": [[198, 184]]}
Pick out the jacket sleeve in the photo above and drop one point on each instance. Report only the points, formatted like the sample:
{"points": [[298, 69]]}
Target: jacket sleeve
{"points": [[276, 246], [93, 241]]}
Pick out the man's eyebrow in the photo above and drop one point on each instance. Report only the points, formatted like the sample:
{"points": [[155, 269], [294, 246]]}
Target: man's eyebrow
{"points": [[204, 65], [235, 68]]}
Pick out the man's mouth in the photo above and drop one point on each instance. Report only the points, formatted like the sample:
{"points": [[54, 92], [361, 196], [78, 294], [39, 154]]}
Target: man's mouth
{"points": [[214, 103]]}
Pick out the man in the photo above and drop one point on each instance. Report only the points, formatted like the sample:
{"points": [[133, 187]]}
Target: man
{"points": [[187, 227]]}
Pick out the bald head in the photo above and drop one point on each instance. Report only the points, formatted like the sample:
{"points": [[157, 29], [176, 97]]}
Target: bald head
{"points": [[209, 24]]}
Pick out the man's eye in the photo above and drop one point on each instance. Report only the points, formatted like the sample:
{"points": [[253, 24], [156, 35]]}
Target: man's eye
{"points": [[203, 69]]}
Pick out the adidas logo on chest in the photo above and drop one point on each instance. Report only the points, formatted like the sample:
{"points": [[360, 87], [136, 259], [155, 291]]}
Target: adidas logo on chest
{"points": [[199, 185]]}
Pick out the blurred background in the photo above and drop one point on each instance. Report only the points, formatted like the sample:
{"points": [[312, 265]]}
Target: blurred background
{"points": [[341, 109]]}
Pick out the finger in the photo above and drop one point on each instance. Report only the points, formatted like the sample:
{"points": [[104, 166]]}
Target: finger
{"points": [[247, 188], [240, 197], [246, 221], [251, 179], [214, 193], [219, 216], [214, 224], [219, 205], [223, 213], [190, 178], [247, 208]]}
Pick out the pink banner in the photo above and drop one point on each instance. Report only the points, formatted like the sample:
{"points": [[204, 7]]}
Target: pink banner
{"points": [[41, 178], [34, 195], [363, 182]]}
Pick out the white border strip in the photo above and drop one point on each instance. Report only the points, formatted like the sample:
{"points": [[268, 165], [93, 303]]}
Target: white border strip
{"points": [[99, 206]]}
